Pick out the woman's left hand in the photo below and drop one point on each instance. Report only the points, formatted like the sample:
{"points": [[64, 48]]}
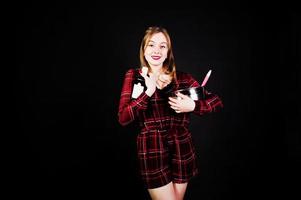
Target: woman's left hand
{"points": [[181, 103]]}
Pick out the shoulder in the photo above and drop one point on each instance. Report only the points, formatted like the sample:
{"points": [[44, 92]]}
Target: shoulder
{"points": [[183, 75], [132, 71], [185, 79]]}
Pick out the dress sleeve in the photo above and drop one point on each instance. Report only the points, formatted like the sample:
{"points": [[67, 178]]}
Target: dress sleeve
{"points": [[128, 107], [211, 103]]}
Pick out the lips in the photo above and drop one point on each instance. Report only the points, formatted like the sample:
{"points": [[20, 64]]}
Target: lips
{"points": [[156, 57]]}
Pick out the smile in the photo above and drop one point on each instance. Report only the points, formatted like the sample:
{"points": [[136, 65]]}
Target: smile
{"points": [[156, 57]]}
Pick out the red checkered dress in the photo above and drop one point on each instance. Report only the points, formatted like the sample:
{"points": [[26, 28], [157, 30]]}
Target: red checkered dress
{"points": [[164, 145]]}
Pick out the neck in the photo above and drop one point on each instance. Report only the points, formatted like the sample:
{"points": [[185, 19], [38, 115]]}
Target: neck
{"points": [[156, 69]]}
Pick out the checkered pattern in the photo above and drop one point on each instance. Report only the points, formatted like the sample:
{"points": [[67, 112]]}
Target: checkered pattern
{"points": [[164, 146]]}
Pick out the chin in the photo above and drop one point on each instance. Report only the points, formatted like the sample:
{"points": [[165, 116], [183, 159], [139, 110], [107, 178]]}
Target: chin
{"points": [[157, 63]]}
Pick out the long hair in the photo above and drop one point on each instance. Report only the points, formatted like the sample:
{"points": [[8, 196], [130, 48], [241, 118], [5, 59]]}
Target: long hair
{"points": [[169, 66]]}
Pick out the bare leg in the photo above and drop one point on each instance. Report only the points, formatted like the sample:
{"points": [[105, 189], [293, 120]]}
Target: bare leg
{"points": [[180, 190], [165, 192]]}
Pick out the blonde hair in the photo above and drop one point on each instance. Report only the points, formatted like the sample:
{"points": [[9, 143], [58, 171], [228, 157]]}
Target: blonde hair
{"points": [[169, 66]]}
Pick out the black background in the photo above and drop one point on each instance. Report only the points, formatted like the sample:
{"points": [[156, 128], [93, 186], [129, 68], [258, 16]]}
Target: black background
{"points": [[70, 63]]}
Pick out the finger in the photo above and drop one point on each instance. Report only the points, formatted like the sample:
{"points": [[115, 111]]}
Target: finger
{"points": [[173, 104], [175, 108], [165, 81], [164, 85], [143, 75], [158, 86], [165, 77], [177, 98], [173, 99], [162, 79], [179, 94], [161, 84]]}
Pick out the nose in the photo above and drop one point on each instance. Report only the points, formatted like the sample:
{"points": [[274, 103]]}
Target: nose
{"points": [[157, 50]]}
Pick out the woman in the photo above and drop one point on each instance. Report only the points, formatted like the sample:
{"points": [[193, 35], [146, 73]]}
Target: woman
{"points": [[164, 145]]}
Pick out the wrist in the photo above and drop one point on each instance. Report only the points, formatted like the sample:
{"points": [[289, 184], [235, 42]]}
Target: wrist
{"points": [[149, 92], [193, 107]]}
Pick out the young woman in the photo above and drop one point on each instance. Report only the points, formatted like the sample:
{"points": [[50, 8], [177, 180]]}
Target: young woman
{"points": [[164, 145]]}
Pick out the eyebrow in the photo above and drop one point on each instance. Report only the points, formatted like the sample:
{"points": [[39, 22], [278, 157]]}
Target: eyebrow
{"points": [[160, 43]]}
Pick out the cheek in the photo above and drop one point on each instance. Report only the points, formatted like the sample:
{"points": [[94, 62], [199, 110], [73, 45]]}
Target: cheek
{"points": [[147, 56], [147, 51], [164, 55]]}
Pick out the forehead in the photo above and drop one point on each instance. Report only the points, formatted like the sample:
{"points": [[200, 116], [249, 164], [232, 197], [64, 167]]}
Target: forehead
{"points": [[158, 37]]}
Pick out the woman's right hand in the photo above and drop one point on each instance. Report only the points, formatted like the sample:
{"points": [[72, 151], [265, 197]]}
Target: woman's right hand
{"points": [[163, 81], [150, 83]]}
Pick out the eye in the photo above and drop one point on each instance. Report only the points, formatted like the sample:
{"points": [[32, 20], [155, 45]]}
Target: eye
{"points": [[151, 45], [163, 47]]}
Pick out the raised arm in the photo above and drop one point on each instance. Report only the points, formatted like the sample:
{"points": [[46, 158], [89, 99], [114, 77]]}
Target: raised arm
{"points": [[129, 108]]}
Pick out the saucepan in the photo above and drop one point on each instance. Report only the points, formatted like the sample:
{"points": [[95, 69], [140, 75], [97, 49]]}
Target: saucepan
{"points": [[195, 93]]}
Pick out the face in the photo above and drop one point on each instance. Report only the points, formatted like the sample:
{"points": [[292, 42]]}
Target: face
{"points": [[156, 50]]}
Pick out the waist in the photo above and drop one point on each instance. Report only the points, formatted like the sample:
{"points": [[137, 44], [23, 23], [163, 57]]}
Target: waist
{"points": [[164, 124]]}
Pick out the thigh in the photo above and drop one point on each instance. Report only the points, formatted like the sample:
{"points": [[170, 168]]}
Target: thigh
{"points": [[165, 192], [180, 189], [153, 157], [184, 158]]}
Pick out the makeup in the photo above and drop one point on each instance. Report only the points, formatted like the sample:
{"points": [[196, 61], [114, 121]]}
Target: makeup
{"points": [[139, 84], [206, 78]]}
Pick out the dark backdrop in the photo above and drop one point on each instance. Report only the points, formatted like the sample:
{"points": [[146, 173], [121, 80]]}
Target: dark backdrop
{"points": [[70, 63]]}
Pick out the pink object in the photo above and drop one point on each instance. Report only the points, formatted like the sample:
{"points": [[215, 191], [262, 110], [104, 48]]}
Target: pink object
{"points": [[206, 78]]}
